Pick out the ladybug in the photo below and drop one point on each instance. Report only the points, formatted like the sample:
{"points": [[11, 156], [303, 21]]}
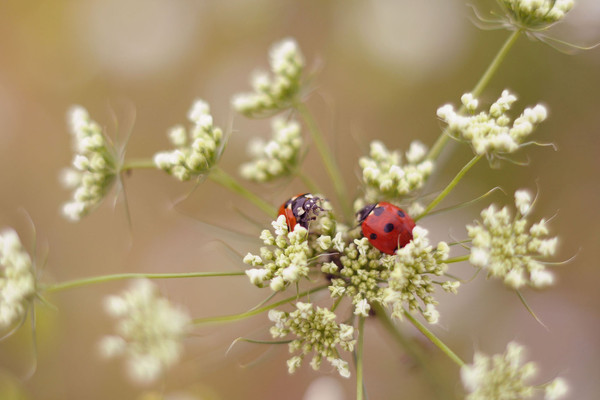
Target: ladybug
{"points": [[386, 226], [300, 209]]}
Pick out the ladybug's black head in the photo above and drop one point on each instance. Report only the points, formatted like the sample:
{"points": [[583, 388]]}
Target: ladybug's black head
{"points": [[364, 212], [306, 208]]}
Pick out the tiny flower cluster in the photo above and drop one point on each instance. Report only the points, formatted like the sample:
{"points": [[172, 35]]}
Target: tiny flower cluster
{"points": [[316, 331], [94, 166], [385, 175], [150, 331], [17, 279], [507, 249], [362, 269], [277, 158], [287, 263], [197, 151], [536, 14], [410, 281], [504, 376], [272, 94], [491, 132]]}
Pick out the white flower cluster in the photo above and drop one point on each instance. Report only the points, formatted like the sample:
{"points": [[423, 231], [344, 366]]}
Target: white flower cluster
{"points": [[274, 93], [504, 376], [197, 150], [491, 132], [362, 269], [150, 331], [386, 176], [316, 331], [286, 263], [507, 249], [17, 279], [94, 166], [537, 14], [278, 157], [410, 281]]}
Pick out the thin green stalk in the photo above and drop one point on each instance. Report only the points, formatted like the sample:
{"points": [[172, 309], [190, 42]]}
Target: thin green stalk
{"points": [[359, 359], [450, 186], [137, 164], [457, 259], [134, 275], [328, 159], [221, 177], [434, 339], [477, 90], [247, 314], [310, 184]]}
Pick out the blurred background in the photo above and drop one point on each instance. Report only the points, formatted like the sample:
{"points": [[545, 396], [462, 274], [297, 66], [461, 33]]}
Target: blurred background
{"points": [[382, 68]]}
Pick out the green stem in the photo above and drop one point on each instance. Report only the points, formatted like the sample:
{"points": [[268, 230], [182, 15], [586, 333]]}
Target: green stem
{"points": [[237, 317], [309, 183], [117, 277], [477, 90], [359, 359], [457, 259], [450, 186], [138, 164], [221, 177], [434, 339], [328, 159]]}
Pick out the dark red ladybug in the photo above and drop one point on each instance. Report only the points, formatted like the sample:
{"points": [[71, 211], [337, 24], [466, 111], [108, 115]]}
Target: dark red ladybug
{"points": [[300, 209], [386, 226]]}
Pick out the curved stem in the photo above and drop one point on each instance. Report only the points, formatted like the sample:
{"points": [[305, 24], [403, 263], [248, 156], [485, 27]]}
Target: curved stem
{"points": [[134, 275], [359, 359], [221, 177], [439, 145], [434, 339], [457, 259], [237, 317], [138, 164], [328, 159], [310, 184], [450, 186]]}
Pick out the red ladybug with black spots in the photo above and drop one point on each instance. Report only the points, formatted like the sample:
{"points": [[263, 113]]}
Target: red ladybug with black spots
{"points": [[386, 226], [300, 209]]}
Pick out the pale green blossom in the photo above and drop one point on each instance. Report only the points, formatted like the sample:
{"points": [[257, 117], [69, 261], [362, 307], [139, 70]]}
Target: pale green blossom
{"points": [[535, 14], [277, 158], [94, 166], [508, 249], [492, 132], [198, 148], [149, 332], [317, 332]]}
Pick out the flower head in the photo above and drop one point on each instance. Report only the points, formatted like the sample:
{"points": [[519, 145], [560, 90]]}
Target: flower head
{"points": [[286, 262], [150, 331], [504, 376], [17, 279], [273, 93], [94, 166], [491, 132], [410, 282], [535, 15], [277, 158], [508, 249], [197, 149], [316, 332], [386, 176]]}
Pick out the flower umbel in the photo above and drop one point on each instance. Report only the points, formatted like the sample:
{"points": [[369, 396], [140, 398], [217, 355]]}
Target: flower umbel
{"points": [[491, 132], [197, 149], [277, 92], [410, 281], [504, 376], [507, 249], [286, 263], [535, 15], [316, 331], [277, 158], [94, 166], [386, 176], [17, 279], [150, 331]]}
